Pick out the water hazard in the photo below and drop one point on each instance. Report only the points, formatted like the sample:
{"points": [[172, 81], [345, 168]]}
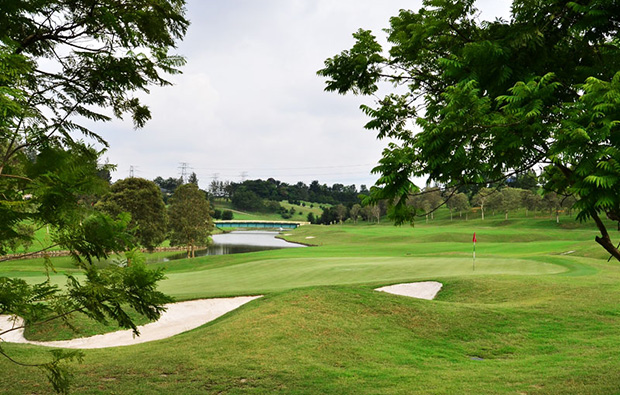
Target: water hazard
{"points": [[239, 242]]}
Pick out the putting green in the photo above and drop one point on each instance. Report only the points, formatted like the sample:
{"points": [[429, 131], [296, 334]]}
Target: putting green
{"points": [[272, 275]]}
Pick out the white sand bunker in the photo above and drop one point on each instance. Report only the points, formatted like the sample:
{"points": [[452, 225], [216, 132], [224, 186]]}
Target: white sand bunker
{"points": [[422, 290], [179, 317]]}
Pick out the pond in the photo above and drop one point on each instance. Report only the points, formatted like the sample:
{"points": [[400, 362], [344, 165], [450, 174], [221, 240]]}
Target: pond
{"points": [[237, 242]]}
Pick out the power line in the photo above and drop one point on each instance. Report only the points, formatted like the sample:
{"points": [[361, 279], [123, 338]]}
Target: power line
{"points": [[132, 170], [285, 168]]}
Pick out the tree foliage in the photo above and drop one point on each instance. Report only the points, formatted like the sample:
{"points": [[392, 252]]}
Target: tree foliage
{"points": [[495, 98], [272, 189], [63, 65], [190, 218], [143, 200], [168, 185], [458, 202]]}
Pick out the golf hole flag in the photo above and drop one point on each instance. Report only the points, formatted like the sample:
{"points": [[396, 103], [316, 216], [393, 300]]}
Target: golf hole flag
{"points": [[474, 262]]}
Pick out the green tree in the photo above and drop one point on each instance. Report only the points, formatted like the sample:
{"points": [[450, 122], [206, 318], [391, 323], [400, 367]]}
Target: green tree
{"points": [[495, 99], [354, 212], [167, 186], [190, 218], [569, 202], [511, 200], [433, 196], [532, 201], [553, 202], [419, 203], [495, 201], [245, 199], [376, 212], [341, 212], [64, 64], [366, 213], [143, 200], [193, 178], [481, 197], [457, 202], [527, 180]]}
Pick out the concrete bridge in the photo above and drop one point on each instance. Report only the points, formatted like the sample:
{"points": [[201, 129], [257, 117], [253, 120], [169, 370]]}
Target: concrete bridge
{"points": [[259, 224]]}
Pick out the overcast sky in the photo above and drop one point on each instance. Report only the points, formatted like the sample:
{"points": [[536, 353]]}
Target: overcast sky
{"points": [[249, 103]]}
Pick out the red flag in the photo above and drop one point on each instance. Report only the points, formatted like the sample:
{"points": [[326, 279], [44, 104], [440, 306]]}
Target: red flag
{"points": [[474, 240]]}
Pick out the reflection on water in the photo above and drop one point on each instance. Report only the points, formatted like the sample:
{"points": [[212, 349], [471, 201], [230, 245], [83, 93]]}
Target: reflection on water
{"points": [[253, 238], [238, 242]]}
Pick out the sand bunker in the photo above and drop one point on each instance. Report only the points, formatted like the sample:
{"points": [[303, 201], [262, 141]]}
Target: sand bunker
{"points": [[422, 290], [179, 317]]}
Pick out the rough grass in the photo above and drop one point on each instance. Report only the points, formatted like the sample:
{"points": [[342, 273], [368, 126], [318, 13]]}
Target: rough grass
{"points": [[76, 325]]}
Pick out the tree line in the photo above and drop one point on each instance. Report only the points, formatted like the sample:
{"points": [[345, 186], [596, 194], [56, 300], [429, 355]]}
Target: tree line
{"points": [[479, 201], [266, 195]]}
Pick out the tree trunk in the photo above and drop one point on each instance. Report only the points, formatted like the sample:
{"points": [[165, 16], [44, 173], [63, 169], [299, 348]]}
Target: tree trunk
{"points": [[605, 240], [506, 215], [450, 215]]}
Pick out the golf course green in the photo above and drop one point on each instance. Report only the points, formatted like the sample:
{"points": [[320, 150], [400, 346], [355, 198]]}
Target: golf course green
{"points": [[538, 313]]}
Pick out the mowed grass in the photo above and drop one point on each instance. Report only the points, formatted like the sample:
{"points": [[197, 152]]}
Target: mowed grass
{"points": [[540, 314]]}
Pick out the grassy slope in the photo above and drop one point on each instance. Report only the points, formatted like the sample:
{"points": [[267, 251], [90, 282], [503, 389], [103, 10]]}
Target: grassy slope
{"points": [[321, 328], [301, 212]]}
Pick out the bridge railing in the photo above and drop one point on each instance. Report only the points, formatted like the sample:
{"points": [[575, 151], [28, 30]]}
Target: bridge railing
{"points": [[257, 224]]}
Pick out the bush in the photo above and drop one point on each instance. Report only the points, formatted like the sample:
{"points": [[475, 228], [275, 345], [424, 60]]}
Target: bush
{"points": [[271, 206], [227, 215], [244, 199], [217, 214]]}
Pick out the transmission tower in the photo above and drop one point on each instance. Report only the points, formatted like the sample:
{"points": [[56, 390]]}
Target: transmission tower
{"points": [[184, 166], [243, 175]]}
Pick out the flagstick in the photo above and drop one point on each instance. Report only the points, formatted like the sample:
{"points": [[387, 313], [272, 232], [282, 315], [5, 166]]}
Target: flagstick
{"points": [[474, 262]]}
